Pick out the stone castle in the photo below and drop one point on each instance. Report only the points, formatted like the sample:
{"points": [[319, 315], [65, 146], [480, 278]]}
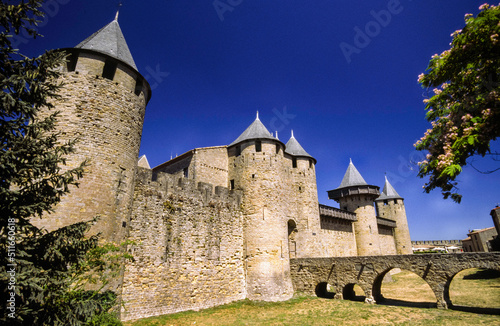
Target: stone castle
{"points": [[215, 224]]}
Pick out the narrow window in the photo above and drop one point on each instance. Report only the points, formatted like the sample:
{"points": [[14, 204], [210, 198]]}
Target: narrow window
{"points": [[258, 146], [71, 62], [238, 150], [395, 201], [231, 186], [385, 202], [294, 162], [310, 164], [186, 172], [138, 86], [109, 69], [277, 148]]}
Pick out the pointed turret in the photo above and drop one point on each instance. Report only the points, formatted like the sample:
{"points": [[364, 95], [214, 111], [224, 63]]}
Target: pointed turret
{"points": [[257, 166], [106, 54], [353, 184], [109, 40], [388, 192], [256, 130], [101, 74], [294, 148], [355, 195], [390, 206]]}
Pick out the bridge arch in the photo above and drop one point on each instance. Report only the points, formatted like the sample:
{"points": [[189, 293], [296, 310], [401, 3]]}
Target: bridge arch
{"points": [[448, 285], [322, 291], [405, 275], [348, 293], [437, 270]]}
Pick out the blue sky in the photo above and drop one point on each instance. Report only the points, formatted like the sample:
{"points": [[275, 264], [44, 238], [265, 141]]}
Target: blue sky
{"points": [[305, 66]]}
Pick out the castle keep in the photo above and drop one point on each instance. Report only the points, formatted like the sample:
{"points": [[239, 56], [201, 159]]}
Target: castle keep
{"points": [[215, 224]]}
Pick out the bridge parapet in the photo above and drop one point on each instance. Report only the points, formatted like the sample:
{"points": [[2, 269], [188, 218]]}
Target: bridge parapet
{"points": [[310, 275]]}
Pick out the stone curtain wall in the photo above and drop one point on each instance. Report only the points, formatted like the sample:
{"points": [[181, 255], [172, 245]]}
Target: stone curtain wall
{"points": [[387, 242], [188, 247]]}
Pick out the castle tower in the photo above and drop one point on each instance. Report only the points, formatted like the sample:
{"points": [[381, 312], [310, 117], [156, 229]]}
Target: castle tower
{"points": [[102, 105], [390, 205], [257, 166], [355, 195], [303, 201]]}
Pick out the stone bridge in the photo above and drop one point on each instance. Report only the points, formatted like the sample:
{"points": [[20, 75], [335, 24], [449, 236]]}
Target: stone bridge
{"points": [[313, 275]]}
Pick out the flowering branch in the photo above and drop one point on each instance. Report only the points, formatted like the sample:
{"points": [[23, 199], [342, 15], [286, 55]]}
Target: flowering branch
{"points": [[464, 110]]}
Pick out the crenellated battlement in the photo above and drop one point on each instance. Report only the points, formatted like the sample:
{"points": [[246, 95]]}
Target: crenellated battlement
{"points": [[166, 184]]}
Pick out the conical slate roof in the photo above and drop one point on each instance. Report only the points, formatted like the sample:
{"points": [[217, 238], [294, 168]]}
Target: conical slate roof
{"points": [[352, 177], [389, 192], [293, 147], [256, 130], [109, 40]]}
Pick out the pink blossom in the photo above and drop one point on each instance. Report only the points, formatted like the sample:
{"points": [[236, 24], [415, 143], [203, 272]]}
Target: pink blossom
{"points": [[484, 6]]}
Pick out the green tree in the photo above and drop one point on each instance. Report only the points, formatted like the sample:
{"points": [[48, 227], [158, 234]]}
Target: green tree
{"points": [[464, 110], [43, 272]]}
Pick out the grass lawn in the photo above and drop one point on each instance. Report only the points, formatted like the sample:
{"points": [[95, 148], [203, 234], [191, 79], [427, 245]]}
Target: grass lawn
{"points": [[405, 290]]}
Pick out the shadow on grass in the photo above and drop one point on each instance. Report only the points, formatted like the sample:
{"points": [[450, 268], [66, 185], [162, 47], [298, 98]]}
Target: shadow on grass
{"points": [[483, 274], [477, 310], [403, 303], [412, 304]]}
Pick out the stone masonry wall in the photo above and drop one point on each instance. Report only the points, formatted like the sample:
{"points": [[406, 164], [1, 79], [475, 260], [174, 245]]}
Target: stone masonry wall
{"points": [[188, 247], [387, 244], [312, 240], [394, 209], [211, 165]]}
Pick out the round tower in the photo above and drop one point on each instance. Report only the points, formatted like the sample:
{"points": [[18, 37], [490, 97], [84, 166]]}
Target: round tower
{"points": [[390, 205], [355, 195], [257, 166], [102, 105], [303, 199]]}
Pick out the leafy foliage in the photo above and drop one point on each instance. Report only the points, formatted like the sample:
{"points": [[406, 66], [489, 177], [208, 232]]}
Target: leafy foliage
{"points": [[464, 111], [45, 272]]}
